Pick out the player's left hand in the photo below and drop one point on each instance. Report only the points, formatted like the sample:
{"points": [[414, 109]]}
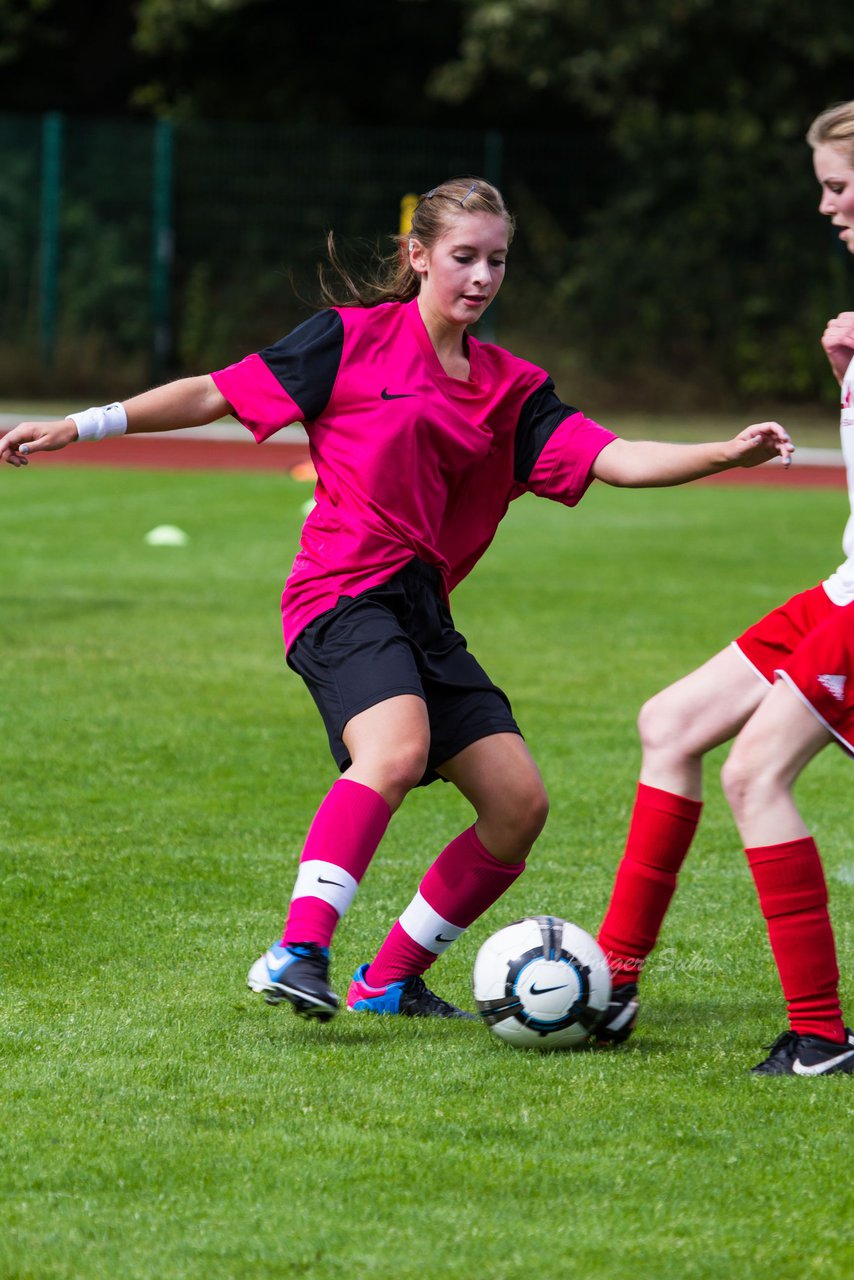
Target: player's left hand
{"points": [[759, 443]]}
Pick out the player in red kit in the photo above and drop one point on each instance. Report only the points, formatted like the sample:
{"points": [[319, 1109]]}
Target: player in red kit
{"points": [[797, 645], [810, 706]]}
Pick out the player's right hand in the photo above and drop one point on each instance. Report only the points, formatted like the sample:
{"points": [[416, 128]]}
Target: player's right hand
{"points": [[838, 342], [36, 437], [760, 443]]}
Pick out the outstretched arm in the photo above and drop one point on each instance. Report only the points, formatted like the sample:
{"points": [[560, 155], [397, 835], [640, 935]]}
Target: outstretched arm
{"points": [[642, 464], [189, 402]]}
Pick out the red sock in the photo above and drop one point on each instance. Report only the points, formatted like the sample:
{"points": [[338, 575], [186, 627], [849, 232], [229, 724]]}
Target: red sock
{"points": [[660, 835], [464, 880], [792, 892], [342, 839]]}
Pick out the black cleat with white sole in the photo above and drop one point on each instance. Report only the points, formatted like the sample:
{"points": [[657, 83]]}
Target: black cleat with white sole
{"points": [[795, 1055], [618, 1021]]}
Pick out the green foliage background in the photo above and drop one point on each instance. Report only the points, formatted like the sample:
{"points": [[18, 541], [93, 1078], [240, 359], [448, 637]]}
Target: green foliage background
{"points": [[703, 258], [669, 246]]}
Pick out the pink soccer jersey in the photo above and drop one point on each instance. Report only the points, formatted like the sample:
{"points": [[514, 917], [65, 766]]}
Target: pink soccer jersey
{"points": [[410, 462]]}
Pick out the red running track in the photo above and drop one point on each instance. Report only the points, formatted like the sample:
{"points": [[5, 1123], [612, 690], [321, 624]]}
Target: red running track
{"points": [[186, 454], [183, 454]]}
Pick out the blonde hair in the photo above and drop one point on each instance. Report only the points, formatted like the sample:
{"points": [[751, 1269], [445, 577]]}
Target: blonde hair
{"points": [[393, 279], [836, 128]]}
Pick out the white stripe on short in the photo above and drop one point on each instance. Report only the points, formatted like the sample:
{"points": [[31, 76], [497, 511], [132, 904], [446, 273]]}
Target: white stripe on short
{"points": [[426, 927], [327, 881], [753, 667]]}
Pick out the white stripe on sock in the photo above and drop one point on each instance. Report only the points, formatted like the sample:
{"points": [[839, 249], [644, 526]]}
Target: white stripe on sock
{"points": [[327, 881], [426, 927]]}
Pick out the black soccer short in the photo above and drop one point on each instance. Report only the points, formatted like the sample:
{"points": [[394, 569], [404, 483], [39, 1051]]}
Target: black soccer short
{"points": [[394, 639]]}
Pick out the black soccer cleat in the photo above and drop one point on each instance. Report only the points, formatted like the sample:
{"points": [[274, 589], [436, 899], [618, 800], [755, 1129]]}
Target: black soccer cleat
{"points": [[795, 1055], [298, 973], [418, 1001], [618, 1020]]}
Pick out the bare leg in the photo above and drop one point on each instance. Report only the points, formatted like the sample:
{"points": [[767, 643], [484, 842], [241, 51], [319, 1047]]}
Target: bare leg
{"points": [[766, 759], [388, 746], [681, 723], [499, 777]]}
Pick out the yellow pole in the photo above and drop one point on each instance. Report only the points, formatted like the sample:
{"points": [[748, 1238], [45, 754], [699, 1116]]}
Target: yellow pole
{"points": [[407, 208]]}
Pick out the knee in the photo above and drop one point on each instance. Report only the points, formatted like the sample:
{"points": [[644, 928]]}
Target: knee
{"points": [[735, 780], [671, 729], [524, 812], [405, 767], [746, 778], [536, 809], [658, 722], [391, 770]]}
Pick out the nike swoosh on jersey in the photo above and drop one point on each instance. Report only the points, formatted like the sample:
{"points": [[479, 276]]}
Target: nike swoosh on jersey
{"points": [[542, 991], [820, 1067], [385, 394]]}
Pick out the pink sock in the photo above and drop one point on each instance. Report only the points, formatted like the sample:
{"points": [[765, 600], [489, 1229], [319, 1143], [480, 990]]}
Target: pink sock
{"points": [[462, 883], [342, 839]]}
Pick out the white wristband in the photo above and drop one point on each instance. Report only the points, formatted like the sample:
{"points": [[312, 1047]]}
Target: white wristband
{"points": [[97, 424]]}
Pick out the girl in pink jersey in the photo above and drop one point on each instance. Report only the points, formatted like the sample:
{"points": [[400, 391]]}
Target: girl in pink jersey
{"points": [[679, 725], [421, 436]]}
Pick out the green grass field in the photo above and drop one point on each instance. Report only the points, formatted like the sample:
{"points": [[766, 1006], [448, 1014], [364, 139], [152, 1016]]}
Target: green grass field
{"points": [[159, 766]]}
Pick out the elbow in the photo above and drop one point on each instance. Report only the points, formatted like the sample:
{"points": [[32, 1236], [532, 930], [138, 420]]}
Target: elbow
{"points": [[215, 404], [622, 478], [618, 466]]}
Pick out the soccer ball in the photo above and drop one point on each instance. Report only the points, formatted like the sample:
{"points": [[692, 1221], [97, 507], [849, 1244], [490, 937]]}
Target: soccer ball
{"points": [[541, 983]]}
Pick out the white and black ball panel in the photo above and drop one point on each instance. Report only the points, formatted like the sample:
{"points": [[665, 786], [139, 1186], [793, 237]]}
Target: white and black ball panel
{"points": [[541, 982]]}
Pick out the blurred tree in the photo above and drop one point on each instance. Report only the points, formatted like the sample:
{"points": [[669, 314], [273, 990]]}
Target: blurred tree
{"points": [[71, 55], [707, 254], [336, 63], [342, 63], [261, 59], [617, 58], [693, 247]]}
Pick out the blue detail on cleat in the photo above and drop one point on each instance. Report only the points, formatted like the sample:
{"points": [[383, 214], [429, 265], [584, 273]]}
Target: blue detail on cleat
{"points": [[409, 997], [298, 973], [364, 999]]}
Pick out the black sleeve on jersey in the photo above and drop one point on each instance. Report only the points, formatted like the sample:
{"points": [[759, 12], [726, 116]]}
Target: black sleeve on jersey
{"points": [[542, 413], [306, 361]]}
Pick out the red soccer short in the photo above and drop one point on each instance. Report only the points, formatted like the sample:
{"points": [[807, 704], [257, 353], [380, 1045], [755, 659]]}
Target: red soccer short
{"points": [[821, 673], [769, 643]]}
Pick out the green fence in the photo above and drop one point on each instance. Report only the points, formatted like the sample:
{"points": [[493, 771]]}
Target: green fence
{"points": [[131, 251], [134, 251]]}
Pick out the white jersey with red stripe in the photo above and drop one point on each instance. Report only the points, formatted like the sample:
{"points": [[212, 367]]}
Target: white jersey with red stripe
{"points": [[840, 585]]}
